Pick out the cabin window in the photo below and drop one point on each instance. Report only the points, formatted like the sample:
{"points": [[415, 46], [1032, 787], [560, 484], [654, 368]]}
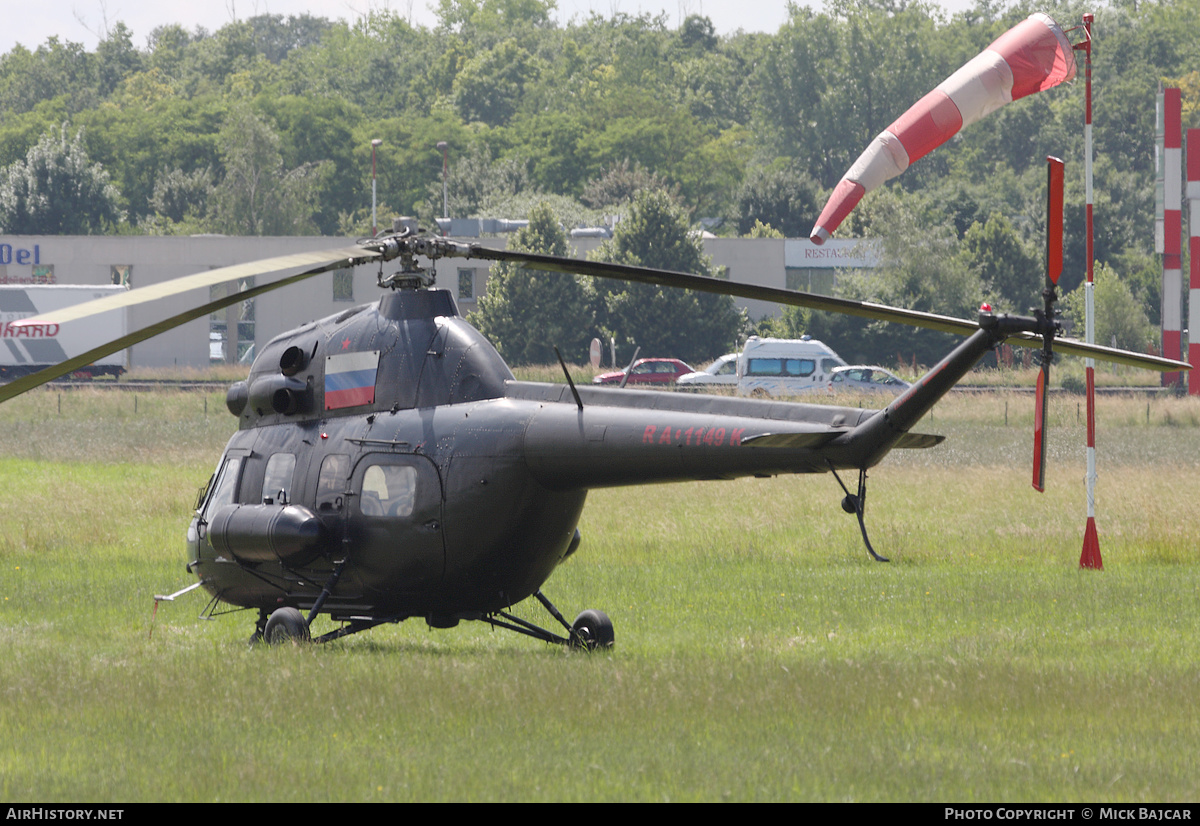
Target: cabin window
{"points": [[331, 484], [277, 483], [389, 490]]}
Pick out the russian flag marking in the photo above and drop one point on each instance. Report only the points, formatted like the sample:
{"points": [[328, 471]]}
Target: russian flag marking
{"points": [[350, 379]]}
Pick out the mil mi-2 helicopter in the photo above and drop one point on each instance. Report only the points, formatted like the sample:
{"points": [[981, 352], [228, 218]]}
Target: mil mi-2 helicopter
{"points": [[387, 465]]}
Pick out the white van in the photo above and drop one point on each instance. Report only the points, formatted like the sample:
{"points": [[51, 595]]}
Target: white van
{"points": [[785, 367]]}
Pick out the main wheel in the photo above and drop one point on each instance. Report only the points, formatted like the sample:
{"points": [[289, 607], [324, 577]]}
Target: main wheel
{"points": [[286, 625], [591, 630]]}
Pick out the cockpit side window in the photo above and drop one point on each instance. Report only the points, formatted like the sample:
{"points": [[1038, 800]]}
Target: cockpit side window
{"points": [[224, 487], [389, 490], [277, 483]]}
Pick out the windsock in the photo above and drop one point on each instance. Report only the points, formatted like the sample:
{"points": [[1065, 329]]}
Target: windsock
{"points": [[1032, 56]]}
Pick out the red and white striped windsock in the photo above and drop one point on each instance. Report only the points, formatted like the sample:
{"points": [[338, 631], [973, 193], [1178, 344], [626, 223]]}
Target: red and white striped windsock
{"points": [[1032, 56]]}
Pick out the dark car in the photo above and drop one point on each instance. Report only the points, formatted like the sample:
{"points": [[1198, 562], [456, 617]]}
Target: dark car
{"points": [[648, 371]]}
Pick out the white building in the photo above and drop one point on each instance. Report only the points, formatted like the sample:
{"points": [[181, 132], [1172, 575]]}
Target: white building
{"points": [[142, 260]]}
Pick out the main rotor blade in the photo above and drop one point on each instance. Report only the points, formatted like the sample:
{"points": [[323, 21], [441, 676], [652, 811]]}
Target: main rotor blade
{"points": [[1073, 347], [315, 262], [325, 261], [701, 283], [797, 298]]}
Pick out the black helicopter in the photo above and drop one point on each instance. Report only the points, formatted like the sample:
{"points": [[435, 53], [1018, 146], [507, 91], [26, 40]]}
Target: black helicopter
{"points": [[387, 465]]}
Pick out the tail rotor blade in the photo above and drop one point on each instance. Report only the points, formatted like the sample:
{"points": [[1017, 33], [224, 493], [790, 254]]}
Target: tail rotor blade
{"points": [[1054, 255], [1054, 221], [1039, 431]]}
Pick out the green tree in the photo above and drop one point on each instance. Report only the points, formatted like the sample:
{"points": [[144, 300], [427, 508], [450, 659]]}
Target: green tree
{"points": [[491, 85], [409, 162], [475, 178], [786, 199], [180, 201], [761, 230], [1007, 268], [663, 321], [55, 68], [257, 195], [321, 131], [488, 22], [1120, 320], [527, 313], [619, 183], [57, 190], [115, 59], [275, 36]]}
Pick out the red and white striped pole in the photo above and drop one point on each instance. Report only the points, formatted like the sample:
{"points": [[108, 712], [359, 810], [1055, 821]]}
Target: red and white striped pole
{"points": [[1172, 283], [1090, 557], [1193, 199]]}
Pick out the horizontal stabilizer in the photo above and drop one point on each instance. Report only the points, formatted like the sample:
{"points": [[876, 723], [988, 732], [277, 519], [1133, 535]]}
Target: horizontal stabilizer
{"points": [[792, 440], [919, 440], [798, 440]]}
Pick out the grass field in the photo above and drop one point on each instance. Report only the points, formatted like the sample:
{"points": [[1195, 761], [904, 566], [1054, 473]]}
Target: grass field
{"points": [[760, 654]]}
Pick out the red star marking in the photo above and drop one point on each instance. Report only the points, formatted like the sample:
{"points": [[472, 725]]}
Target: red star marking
{"points": [[346, 344]]}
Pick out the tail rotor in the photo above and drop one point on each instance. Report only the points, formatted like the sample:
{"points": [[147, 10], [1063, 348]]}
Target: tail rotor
{"points": [[1049, 327]]}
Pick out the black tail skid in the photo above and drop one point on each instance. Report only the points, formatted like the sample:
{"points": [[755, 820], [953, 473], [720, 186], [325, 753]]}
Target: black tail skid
{"points": [[856, 503]]}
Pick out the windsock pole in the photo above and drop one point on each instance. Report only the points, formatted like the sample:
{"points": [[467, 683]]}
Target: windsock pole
{"points": [[1193, 199], [1090, 557], [1172, 278]]}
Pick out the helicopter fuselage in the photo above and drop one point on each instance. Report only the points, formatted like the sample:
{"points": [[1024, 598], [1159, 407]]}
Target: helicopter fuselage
{"points": [[466, 508], [388, 465]]}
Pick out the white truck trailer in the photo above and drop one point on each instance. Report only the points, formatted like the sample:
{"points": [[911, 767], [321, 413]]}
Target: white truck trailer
{"points": [[25, 350]]}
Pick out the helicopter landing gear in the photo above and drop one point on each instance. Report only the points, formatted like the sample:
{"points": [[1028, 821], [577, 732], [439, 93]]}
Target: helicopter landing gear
{"points": [[286, 625], [857, 505], [259, 627], [591, 630]]}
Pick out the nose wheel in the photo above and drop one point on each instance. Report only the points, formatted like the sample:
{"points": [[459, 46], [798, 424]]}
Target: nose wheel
{"points": [[286, 625], [592, 629]]}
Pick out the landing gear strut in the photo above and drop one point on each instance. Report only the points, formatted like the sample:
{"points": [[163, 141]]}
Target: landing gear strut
{"points": [[592, 629], [857, 505]]}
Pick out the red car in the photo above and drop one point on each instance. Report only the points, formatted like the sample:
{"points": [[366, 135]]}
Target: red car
{"points": [[648, 371]]}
